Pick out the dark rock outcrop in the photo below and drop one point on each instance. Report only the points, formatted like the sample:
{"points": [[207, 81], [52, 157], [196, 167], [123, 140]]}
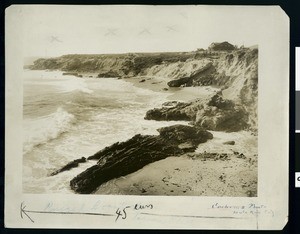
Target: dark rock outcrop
{"points": [[169, 113], [123, 158], [178, 134], [109, 74], [70, 74], [69, 166], [170, 103], [194, 78], [222, 115], [187, 81], [213, 113]]}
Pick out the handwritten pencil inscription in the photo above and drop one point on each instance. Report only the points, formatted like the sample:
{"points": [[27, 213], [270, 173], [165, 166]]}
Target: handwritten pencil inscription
{"points": [[123, 212], [245, 209], [65, 210]]}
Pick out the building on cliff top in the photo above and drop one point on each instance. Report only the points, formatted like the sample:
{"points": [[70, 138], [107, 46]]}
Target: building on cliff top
{"points": [[223, 46]]}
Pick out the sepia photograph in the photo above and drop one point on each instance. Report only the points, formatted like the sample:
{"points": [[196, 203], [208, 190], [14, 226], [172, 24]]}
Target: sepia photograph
{"points": [[132, 110], [131, 116]]}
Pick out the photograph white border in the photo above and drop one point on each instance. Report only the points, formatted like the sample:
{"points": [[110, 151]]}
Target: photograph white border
{"points": [[269, 210]]}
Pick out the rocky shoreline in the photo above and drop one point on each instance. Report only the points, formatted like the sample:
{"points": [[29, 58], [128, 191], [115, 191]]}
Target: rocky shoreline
{"points": [[232, 109], [121, 159], [212, 113]]}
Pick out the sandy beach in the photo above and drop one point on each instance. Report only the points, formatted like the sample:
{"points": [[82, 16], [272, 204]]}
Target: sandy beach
{"points": [[214, 169], [156, 84], [230, 172], [159, 84]]}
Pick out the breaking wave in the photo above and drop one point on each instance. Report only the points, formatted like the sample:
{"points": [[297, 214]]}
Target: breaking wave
{"points": [[44, 129]]}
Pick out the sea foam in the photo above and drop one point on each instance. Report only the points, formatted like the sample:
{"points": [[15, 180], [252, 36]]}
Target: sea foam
{"points": [[43, 129]]}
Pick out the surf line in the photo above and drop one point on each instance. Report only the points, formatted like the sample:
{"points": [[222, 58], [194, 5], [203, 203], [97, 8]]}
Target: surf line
{"points": [[24, 212]]}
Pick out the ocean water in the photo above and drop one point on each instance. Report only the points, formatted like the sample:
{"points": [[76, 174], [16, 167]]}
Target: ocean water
{"points": [[65, 118]]}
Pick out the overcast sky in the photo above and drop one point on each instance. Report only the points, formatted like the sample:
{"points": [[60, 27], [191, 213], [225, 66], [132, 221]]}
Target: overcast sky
{"points": [[58, 30]]}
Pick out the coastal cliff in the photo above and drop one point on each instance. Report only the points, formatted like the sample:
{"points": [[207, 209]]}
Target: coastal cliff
{"points": [[131, 64], [233, 108], [235, 72]]}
